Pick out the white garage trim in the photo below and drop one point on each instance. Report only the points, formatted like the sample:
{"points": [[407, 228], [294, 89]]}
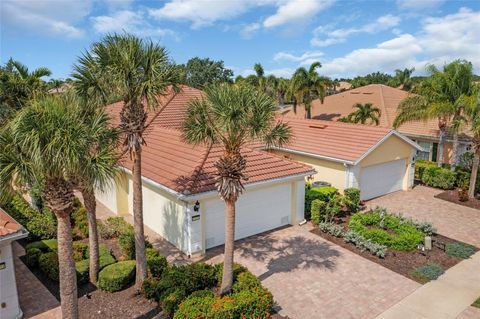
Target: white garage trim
{"points": [[380, 179]]}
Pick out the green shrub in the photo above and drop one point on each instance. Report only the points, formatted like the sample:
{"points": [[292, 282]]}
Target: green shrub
{"points": [[151, 288], [113, 227], [82, 267], [45, 245], [398, 233], [40, 224], [365, 244], [80, 222], [32, 255], [252, 303], [198, 305], [420, 167], [105, 259], [245, 281], [317, 210], [439, 177], [352, 199], [79, 250], [460, 250], [237, 270], [156, 264], [322, 193], [171, 301], [427, 272], [126, 241], [117, 276], [48, 263]]}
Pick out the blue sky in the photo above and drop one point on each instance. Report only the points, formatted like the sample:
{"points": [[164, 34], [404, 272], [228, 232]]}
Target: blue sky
{"points": [[349, 38]]}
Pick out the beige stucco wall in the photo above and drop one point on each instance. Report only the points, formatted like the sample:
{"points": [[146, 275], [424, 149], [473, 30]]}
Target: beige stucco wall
{"points": [[390, 150], [327, 171]]}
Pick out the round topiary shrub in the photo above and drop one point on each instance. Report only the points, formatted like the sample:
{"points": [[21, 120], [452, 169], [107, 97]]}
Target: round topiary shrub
{"points": [[48, 263], [116, 276]]}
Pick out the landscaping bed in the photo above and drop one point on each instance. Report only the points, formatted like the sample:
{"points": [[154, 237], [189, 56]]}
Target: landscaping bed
{"points": [[452, 196]]}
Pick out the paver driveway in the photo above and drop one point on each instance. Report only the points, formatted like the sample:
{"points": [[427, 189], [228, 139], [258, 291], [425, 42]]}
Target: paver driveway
{"points": [[311, 277], [451, 220]]}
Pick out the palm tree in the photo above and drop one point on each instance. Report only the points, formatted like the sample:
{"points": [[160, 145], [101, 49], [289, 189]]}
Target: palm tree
{"points": [[138, 72], [55, 84], [472, 111], [231, 117], [307, 86], [440, 96], [365, 112], [43, 143], [403, 78]]}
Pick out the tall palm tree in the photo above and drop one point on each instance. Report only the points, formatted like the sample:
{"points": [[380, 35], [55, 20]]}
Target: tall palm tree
{"points": [[43, 143], [403, 78], [97, 170], [138, 72], [231, 117], [365, 112], [307, 85], [440, 97], [472, 111]]}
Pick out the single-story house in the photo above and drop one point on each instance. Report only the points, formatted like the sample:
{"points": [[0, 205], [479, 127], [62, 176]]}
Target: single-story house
{"points": [[180, 201], [377, 160], [10, 231], [387, 99]]}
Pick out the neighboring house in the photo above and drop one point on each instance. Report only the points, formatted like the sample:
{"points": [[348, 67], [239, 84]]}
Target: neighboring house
{"points": [[387, 99], [377, 160], [180, 200], [10, 231]]}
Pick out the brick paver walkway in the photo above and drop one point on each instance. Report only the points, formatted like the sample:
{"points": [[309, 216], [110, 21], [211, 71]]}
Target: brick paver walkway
{"points": [[470, 313], [311, 277], [451, 220], [35, 300]]}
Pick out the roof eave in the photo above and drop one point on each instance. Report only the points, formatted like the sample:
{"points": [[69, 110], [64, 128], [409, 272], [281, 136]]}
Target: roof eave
{"points": [[318, 156]]}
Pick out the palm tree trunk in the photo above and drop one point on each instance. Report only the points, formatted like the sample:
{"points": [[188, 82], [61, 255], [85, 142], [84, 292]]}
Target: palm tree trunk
{"points": [[473, 176], [454, 151], [441, 143], [227, 277], [91, 206], [141, 270], [66, 265]]}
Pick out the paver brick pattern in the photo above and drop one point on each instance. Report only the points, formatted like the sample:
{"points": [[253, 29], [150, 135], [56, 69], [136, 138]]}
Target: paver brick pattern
{"points": [[451, 220], [311, 277]]}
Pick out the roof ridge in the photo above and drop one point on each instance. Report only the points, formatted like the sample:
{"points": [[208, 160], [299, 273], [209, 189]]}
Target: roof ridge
{"points": [[382, 100]]}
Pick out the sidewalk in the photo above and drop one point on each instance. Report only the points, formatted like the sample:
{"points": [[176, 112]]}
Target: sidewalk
{"points": [[444, 298]]}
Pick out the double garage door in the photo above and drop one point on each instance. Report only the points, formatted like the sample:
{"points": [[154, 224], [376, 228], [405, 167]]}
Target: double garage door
{"points": [[381, 179], [256, 211]]}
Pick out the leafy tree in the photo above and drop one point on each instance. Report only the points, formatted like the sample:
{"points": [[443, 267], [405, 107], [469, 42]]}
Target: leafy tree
{"points": [[18, 85], [231, 117], [441, 96], [138, 72], [44, 144], [403, 78], [372, 78], [199, 72], [365, 112], [307, 85]]}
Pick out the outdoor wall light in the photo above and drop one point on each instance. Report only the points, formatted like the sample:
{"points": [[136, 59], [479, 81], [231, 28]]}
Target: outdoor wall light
{"points": [[196, 207]]}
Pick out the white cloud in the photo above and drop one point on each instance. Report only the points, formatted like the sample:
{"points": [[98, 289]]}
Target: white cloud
{"points": [[296, 11], [248, 30], [323, 36], [419, 4], [441, 40], [133, 22], [55, 18], [307, 56]]}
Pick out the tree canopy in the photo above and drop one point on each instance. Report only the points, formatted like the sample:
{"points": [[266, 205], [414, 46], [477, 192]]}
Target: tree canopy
{"points": [[198, 72]]}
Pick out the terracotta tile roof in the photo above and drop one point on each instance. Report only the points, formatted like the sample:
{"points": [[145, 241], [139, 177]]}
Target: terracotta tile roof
{"points": [[337, 140], [188, 169], [386, 98], [8, 225]]}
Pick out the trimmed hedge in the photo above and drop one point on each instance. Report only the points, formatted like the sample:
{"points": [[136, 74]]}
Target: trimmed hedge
{"points": [[105, 259], [439, 177], [117, 276], [420, 167], [48, 263], [405, 235], [318, 208], [32, 255], [156, 264], [44, 246], [322, 193]]}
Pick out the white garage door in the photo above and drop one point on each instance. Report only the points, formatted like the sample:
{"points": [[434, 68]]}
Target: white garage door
{"points": [[381, 179], [256, 211]]}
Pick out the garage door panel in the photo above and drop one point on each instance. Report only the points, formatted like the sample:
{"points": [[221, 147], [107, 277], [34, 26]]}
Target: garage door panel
{"points": [[381, 179], [256, 211]]}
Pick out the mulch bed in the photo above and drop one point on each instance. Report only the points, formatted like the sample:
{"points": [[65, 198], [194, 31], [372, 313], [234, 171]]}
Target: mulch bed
{"points": [[452, 196], [402, 262]]}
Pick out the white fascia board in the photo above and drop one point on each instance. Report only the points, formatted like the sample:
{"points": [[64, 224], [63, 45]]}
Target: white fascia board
{"points": [[328, 158], [7, 239], [189, 198], [392, 132]]}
